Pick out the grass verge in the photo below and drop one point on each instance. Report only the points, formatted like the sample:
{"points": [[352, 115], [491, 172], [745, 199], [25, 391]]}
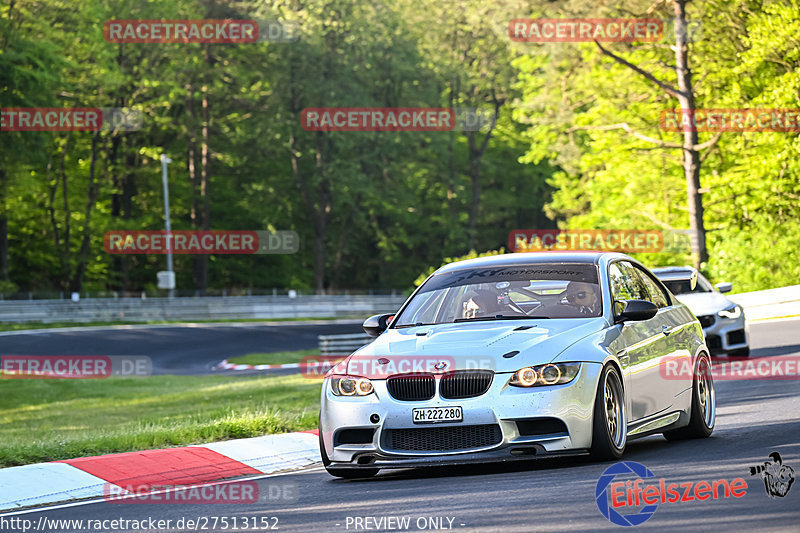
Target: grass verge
{"points": [[46, 420]]}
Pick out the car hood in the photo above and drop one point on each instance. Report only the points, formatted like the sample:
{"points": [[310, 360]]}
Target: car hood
{"points": [[704, 303], [470, 346]]}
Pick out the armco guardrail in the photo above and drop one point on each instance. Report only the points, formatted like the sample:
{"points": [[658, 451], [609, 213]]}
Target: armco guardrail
{"points": [[783, 301], [342, 344], [208, 308], [771, 303]]}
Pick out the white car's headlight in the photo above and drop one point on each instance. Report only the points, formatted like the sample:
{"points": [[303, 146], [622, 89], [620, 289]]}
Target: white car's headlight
{"points": [[350, 386], [732, 312], [543, 375]]}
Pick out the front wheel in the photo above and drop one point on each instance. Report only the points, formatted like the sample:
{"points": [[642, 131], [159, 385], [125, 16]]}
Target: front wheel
{"points": [[704, 405], [610, 424]]}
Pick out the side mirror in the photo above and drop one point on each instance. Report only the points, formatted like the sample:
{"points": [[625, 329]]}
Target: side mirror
{"points": [[724, 286], [636, 310], [376, 324]]}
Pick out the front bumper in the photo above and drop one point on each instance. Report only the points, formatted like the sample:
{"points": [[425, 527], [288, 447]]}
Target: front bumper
{"points": [[539, 420], [724, 335]]}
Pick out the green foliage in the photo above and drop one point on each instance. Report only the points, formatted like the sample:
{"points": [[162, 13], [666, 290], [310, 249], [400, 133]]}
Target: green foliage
{"points": [[374, 209], [747, 57]]}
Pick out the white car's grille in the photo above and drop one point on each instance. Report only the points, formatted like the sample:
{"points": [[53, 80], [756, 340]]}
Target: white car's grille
{"points": [[466, 384], [439, 439], [412, 387]]}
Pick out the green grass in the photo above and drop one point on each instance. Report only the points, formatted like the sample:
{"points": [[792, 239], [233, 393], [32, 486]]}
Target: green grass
{"points": [[42, 325], [46, 420], [275, 358]]}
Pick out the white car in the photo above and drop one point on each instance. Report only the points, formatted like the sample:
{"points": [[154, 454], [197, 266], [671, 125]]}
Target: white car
{"points": [[510, 356], [723, 321]]}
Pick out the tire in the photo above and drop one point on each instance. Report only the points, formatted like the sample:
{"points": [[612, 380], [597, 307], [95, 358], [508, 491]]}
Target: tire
{"points": [[704, 404], [609, 424], [347, 473], [741, 352]]}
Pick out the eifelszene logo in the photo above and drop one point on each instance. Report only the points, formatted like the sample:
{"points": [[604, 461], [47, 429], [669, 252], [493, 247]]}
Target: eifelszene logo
{"points": [[612, 496], [601, 494], [778, 477]]}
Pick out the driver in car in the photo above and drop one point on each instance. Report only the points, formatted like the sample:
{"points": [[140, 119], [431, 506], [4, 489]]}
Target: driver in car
{"points": [[584, 297], [478, 303]]}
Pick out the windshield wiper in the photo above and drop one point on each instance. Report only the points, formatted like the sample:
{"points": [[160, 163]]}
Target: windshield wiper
{"points": [[415, 325], [499, 317]]}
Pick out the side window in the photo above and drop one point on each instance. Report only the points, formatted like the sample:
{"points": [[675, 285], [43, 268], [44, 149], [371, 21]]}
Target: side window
{"points": [[638, 288], [625, 284], [657, 295], [620, 283]]}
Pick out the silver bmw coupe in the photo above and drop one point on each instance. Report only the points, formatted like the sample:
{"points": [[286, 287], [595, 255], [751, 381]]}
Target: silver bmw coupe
{"points": [[519, 355]]}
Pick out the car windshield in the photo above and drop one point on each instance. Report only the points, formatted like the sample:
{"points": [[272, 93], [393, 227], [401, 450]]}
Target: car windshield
{"points": [[680, 286], [560, 290]]}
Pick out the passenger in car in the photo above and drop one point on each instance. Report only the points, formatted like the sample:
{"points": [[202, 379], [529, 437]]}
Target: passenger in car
{"points": [[584, 297]]}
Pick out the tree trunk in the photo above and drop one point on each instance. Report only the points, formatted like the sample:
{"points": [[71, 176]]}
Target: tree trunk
{"points": [[475, 179], [191, 164], [475, 160], [205, 213], [318, 213], [691, 156], [4, 266], [66, 248], [83, 254]]}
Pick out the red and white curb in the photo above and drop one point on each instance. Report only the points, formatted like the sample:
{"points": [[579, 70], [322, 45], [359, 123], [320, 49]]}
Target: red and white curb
{"points": [[89, 477], [318, 366]]}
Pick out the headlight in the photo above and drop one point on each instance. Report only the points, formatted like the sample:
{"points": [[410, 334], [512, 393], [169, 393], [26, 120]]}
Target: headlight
{"points": [[732, 312], [543, 375], [350, 386]]}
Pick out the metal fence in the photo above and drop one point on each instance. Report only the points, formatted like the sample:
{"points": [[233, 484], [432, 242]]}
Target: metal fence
{"points": [[784, 301], [344, 344], [204, 308]]}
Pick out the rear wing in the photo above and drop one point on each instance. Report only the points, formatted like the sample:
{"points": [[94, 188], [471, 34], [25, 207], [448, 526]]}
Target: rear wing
{"points": [[679, 275]]}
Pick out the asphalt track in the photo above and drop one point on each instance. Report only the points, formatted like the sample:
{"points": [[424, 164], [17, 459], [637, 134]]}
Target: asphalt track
{"points": [[191, 349], [754, 418]]}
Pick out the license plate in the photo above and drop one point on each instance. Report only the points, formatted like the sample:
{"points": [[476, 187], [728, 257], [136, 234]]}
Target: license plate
{"points": [[437, 414]]}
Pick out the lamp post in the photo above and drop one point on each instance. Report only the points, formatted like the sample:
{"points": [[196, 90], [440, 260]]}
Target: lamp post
{"points": [[164, 179]]}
